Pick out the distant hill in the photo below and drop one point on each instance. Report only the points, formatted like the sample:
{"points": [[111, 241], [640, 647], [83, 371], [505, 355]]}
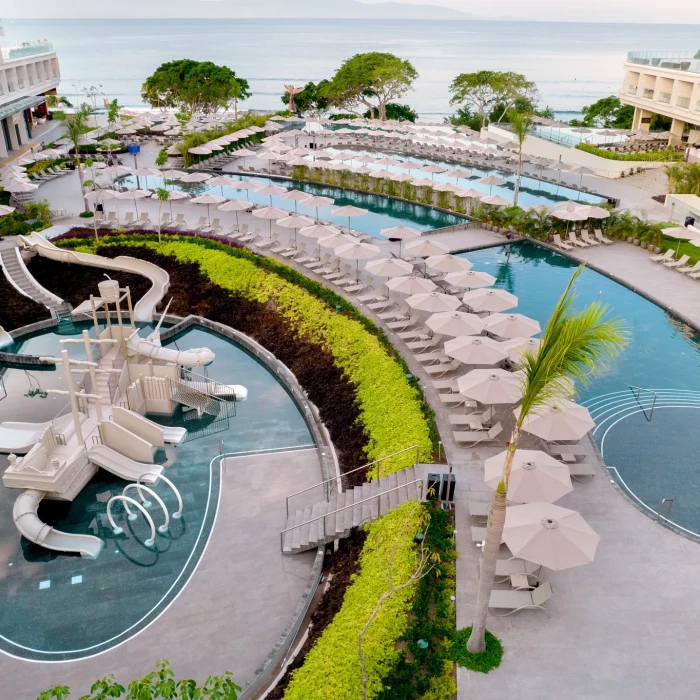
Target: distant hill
{"points": [[207, 9]]}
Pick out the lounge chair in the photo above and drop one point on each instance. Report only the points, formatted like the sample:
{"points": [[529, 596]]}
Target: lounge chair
{"points": [[580, 471], [512, 601], [668, 255], [462, 419], [676, 263], [445, 385], [694, 275], [201, 224], [178, 222], [474, 437], [600, 237], [576, 241], [444, 368], [505, 568], [384, 303], [687, 270], [560, 244], [455, 400], [130, 222], [111, 219], [214, 226], [587, 239]]}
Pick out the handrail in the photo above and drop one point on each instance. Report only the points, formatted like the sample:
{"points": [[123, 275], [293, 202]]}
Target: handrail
{"points": [[661, 506], [352, 471], [640, 389], [201, 379], [351, 505]]}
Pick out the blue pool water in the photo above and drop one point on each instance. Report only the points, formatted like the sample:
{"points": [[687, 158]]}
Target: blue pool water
{"points": [[60, 607], [655, 458]]}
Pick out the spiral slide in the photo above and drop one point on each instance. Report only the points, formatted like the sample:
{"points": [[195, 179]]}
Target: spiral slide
{"points": [[27, 521]]}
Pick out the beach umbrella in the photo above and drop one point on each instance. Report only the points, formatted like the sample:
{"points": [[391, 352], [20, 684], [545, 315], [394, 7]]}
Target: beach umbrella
{"points": [[680, 233], [200, 151], [433, 302], [491, 300], [569, 205], [357, 251], [425, 247], [235, 205], [563, 420], [458, 174], [432, 169], [400, 232], [196, 177], [455, 323], [470, 279], [448, 263], [549, 535], [517, 347], [295, 196], [411, 285], [389, 267], [174, 194], [172, 174], [246, 185], [319, 231], [404, 177], [220, 181], [566, 215], [145, 172], [18, 186], [134, 195], [491, 180], [581, 130], [270, 190], [535, 476], [5, 210], [496, 201], [336, 240], [491, 386], [593, 212], [208, 199], [295, 222], [512, 326], [270, 213], [349, 211], [475, 350], [366, 159]]}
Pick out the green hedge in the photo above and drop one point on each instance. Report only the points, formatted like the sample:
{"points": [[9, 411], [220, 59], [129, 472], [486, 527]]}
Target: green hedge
{"points": [[652, 156]]}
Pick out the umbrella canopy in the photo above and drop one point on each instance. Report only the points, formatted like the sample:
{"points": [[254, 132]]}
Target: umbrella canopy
{"points": [[294, 195], [349, 211], [496, 201], [411, 285], [517, 347], [455, 323], [269, 213], [458, 173], [195, 177], [433, 302], [389, 267], [491, 386], [145, 172], [271, 189], [569, 205], [564, 420], [100, 195], [172, 174], [491, 180], [295, 221], [550, 535], [319, 231], [470, 279], [679, 232], [133, 194], [425, 247], [244, 185], [200, 151], [490, 300], [565, 215], [512, 326], [400, 232], [476, 350], [336, 240], [357, 251], [18, 186], [448, 263], [220, 180], [5, 210], [535, 476], [593, 212], [234, 205], [208, 199], [318, 201]]}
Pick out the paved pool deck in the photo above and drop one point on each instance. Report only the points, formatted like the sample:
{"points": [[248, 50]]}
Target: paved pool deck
{"points": [[234, 608]]}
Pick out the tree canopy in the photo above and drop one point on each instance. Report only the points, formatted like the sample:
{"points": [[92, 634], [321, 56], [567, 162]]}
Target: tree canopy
{"points": [[369, 80], [194, 86], [606, 112], [310, 100], [486, 91]]}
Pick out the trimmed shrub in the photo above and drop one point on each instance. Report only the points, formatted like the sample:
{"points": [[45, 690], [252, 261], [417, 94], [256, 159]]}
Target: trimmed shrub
{"points": [[484, 662], [653, 156]]}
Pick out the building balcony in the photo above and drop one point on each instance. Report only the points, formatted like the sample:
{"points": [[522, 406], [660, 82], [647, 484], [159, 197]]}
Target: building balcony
{"points": [[666, 60], [648, 93], [632, 90], [27, 49]]}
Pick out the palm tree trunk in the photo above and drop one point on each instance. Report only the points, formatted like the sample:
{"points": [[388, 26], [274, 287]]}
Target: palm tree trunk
{"points": [[517, 177], [81, 179], [494, 534]]}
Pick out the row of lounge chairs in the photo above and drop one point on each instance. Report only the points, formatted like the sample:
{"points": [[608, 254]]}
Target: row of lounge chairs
{"points": [[668, 260], [583, 240]]}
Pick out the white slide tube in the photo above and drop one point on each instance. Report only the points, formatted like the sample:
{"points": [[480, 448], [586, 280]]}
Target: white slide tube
{"points": [[30, 526], [195, 357]]}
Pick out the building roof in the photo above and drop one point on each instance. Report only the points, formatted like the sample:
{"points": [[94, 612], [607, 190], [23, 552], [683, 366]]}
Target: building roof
{"points": [[19, 105]]}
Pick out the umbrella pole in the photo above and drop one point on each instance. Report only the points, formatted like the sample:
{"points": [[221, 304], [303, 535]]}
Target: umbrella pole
{"points": [[238, 226], [137, 209], [170, 201]]}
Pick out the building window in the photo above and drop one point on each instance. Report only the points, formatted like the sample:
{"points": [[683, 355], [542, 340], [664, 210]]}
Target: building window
{"points": [[649, 93], [632, 90], [10, 86], [683, 102], [20, 82], [665, 97]]}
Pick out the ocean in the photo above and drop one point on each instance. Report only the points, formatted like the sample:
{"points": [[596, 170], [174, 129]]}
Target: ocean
{"points": [[572, 64]]}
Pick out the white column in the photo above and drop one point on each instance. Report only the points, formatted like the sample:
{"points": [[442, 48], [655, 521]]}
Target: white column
{"points": [[73, 399]]}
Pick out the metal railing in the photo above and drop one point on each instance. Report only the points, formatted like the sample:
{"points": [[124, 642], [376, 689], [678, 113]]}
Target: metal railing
{"points": [[376, 496], [336, 479], [639, 390], [208, 386], [10, 53], [661, 507]]}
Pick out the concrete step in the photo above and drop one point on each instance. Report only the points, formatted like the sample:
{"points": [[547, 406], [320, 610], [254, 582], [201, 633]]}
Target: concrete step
{"points": [[293, 519], [330, 519], [366, 507], [347, 517], [305, 528], [296, 533], [375, 488], [391, 482], [316, 527]]}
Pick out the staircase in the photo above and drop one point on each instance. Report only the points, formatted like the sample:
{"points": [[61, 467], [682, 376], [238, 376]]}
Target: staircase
{"points": [[198, 400], [308, 528], [18, 275]]}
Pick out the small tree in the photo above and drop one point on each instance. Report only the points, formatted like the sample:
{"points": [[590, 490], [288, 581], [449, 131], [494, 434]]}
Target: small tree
{"points": [[163, 196], [521, 123], [73, 129], [113, 114], [575, 345], [162, 158], [93, 93]]}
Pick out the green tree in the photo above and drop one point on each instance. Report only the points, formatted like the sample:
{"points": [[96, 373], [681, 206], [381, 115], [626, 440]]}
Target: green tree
{"points": [[73, 129], [162, 157], [683, 178], [194, 86], [398, 112], [310, 100], [607, 112], [575, 345], [485, 91], [240, 91], [163, 196], [521, 123], [113, 114], [372, 80], [57, 101], [464, 117]]}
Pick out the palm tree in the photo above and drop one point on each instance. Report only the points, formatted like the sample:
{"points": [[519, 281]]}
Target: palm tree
{"points": [[163, 196], [575, 345], [521, 123], [73, 129]]}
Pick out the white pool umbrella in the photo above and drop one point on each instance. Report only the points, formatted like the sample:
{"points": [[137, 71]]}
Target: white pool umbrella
{"points": [[518, 347], [246, 185], [455, 323], [349, 211], [357, 251], [18, 186], [535, 476], [458, 174], [294, 221], [679, 232], [134, 195], [402, 233], [171, 174], [220, 181], [425, 247], [593, 212], [317, 201], [5, 210], [294, 196], [496, 201], [336, 240], [566, 215], [208, 199], [270, 213], [389, 267], [172, 195], [491, 386], [475, 350], [563, 420], [448, 263], [433, 302], [491, 300], [270, 190], [491, 180], [200, 151], [512, 325], [235, 205], [549, 535], [411, 284], [470, 279], [195, 177], [319, 231]]}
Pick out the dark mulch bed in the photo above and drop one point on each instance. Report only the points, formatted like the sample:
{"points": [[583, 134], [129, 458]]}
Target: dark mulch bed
{"points": [[16, 310], [341, 565]]}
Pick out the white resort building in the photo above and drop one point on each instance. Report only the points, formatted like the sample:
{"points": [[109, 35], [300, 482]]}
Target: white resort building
{"points": [[28, 72], [666, 83]]}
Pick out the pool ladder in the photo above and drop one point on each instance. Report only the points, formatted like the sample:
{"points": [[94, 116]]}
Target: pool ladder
{"points": [[639, 390], [661, 507]]}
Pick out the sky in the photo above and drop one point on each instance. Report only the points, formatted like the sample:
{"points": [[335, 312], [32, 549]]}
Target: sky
{"points": [[625, 11]]}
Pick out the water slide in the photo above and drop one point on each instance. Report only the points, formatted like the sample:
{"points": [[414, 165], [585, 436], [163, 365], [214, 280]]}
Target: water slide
{"points": [[144, 307], [222, 391], [195, 357], [19, 438], [27, 521], [148, 430], [122, 466], [5, 338]]}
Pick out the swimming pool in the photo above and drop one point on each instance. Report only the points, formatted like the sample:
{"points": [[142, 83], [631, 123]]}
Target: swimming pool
{"points": [[58, 607], [655, 455]]}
